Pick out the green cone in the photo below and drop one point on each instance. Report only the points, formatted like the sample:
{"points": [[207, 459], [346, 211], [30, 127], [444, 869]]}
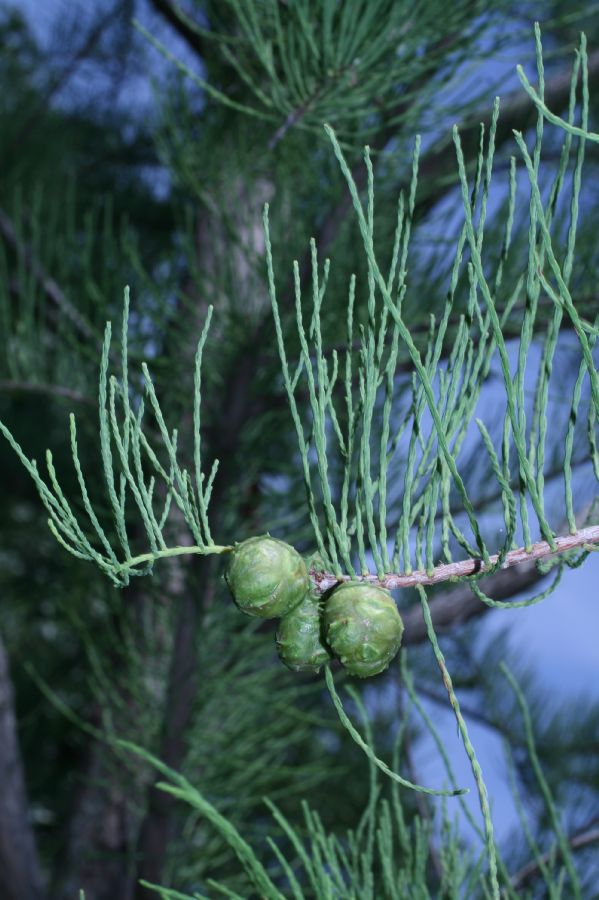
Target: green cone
{"points": [[362, 627], [299, 637], [266, 577]]}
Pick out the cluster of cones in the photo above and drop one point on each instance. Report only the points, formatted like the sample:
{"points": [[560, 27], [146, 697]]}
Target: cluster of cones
{"points": [[356, 622]]}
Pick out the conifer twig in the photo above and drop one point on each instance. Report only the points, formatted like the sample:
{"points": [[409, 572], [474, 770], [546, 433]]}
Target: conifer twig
{"points": [[585, 538]]}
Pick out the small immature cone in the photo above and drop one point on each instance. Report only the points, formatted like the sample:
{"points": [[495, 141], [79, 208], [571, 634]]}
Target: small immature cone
{"points": [[266, 577], [299, 637], [363, 627]]}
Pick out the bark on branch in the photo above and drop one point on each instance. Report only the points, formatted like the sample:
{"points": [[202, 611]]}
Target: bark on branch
{"points": [[584, 538]]}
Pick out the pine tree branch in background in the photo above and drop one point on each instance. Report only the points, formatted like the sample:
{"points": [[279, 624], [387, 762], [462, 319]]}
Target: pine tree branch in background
{"points": [[92, 38], [20, 873], [583, 838], [47, 284], [386, 132], [173, 14], [50, 390], [336, 217]]}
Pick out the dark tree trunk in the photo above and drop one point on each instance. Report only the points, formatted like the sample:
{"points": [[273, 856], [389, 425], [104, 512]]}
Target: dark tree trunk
{"points": [[157, 827], [20, 873], [99, 835]]}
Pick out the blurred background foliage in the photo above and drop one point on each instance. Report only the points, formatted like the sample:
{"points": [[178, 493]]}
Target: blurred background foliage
{"points": [[119, 167]]}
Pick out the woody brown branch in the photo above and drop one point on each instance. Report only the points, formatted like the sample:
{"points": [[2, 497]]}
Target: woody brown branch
{"points": [[585, 538], [581, 839]]}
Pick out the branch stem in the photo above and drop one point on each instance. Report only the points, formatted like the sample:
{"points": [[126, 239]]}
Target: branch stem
{"points": [[585, 538], [173, 551]]}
